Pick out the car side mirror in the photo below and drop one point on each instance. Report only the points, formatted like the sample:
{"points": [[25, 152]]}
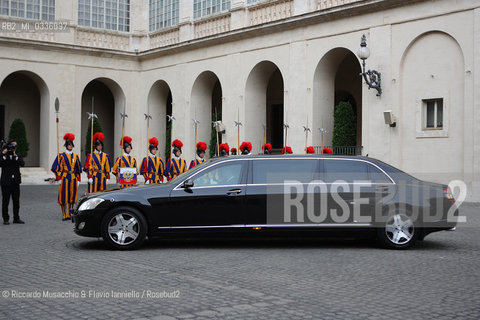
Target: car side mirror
{"points": [[187, 184]]}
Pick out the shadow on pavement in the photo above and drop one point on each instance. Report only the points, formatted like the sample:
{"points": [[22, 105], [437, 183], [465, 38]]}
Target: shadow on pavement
{"points": [[267, 243]]}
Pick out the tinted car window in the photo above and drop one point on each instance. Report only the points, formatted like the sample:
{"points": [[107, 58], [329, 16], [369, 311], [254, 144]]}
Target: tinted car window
{"points": [[223, 174], [279, 170], [378, 176], [347, 170]]}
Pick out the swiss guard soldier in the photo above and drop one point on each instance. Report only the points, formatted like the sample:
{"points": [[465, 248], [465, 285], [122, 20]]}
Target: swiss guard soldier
{"points": [[310, 150], [287, 150], [175, 165], [152, 166], [201, 148], [327, 151], [67, 168], [224, 149], [97, 166], [125, 167], [245, 148], [233, 151], [267, 148]]}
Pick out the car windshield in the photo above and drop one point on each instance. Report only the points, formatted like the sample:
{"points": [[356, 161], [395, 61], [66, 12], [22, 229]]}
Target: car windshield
{"points": [[188, 172]]}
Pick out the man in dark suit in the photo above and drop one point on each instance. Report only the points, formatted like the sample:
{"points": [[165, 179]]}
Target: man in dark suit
{"points": [[11, 161]]}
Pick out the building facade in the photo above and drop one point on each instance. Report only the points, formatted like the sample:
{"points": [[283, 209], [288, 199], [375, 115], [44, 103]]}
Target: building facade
{"points": [[264, 63]]}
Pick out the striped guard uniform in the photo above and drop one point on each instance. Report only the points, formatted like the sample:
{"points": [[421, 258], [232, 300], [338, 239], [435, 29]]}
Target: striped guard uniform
{"points": [[196, 162], [67, 168], [97, 169], [152, 169], [175, 167]]}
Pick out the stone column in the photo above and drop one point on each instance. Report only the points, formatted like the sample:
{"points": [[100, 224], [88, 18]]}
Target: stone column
{"points": [[186, 20]]}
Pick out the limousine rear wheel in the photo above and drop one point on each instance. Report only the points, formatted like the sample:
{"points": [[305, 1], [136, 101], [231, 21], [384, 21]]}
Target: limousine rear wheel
{"points": [[124, 228], [399, 232]]}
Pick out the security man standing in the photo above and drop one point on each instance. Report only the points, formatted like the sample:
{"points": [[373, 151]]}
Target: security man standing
{"points": [[11, 161]]}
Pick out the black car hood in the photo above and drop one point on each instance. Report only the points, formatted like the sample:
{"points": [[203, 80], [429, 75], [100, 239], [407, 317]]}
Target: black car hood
{"points": [[135, 191]]}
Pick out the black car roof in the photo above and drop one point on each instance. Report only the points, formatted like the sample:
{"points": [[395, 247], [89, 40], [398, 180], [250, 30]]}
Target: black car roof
{"points": [[385, 166], [293, 156]]}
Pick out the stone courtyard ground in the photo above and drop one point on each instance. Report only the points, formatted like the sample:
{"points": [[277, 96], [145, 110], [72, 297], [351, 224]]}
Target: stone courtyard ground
{"points": [[48, 272]]}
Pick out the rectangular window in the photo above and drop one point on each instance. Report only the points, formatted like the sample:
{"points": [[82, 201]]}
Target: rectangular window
{"points": [[105, 14], [17, 8], [48, 10], [220, 175], [84, 12], [202, 8], [33, 9], [346, 170], [4, 7], [377, 176], [433, 113], [29, 9], [281, 170], [163, 14]]}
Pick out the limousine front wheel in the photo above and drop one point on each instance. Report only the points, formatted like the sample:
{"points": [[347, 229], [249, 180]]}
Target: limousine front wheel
{"points": [[124, 228], [399, 232]]}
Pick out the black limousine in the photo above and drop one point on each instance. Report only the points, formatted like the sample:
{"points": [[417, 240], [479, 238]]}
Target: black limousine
{"points": [[277, 196]]}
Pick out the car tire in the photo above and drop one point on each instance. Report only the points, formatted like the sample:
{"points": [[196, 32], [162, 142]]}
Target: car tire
{"points": [[124, 228], [398, 232]]}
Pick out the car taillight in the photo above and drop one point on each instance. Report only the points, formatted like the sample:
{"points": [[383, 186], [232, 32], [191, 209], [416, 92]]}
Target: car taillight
{"points": [[449, 195]]}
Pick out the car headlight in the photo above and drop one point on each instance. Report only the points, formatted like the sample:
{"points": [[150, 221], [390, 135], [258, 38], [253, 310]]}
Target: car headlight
{"points": [[90, 204]]}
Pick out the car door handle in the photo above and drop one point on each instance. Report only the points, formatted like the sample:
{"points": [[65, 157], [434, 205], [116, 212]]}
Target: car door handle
{"points": [[234, 192], [382, 188]]}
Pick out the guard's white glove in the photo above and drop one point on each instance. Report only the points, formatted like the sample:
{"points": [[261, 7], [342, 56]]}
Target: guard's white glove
{"points": [[78, 184], [108, 181], [90, 180], [147, 182], [58, 182]]}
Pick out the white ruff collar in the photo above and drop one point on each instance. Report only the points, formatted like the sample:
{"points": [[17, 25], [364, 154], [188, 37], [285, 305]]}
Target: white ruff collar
{"points": [[69, 152]]}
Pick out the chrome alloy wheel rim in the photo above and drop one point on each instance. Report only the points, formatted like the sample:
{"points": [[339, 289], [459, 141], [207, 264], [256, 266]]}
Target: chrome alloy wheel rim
{"points": [[399, 229], [123, 229]]}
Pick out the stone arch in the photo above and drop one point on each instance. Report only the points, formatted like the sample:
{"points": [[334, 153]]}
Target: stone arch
{"points": [[25, 95], [205, 99], [432, 67], [109, 100], [264, 105], [336, 79], [159, 105]]}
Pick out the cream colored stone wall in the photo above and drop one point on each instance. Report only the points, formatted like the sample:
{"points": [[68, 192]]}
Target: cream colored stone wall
{"points": [[409, 43]]}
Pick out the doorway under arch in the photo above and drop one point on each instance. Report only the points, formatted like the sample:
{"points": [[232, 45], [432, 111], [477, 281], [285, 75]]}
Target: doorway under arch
{"points": [[24, 95]]}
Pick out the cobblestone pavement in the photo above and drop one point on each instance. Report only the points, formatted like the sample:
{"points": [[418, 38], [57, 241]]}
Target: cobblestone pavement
{"points": [[236, 279]]}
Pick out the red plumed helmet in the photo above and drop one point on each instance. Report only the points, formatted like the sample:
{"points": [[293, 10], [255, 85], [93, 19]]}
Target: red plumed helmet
{"points": [[310, 149], [224, 146], [327, 150], [98, 136], [246, 146], [267, 146], [126, 139], [202, 146], [153, 141], [234, 150], [287, 149], [69, 136], [177, 143]]}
